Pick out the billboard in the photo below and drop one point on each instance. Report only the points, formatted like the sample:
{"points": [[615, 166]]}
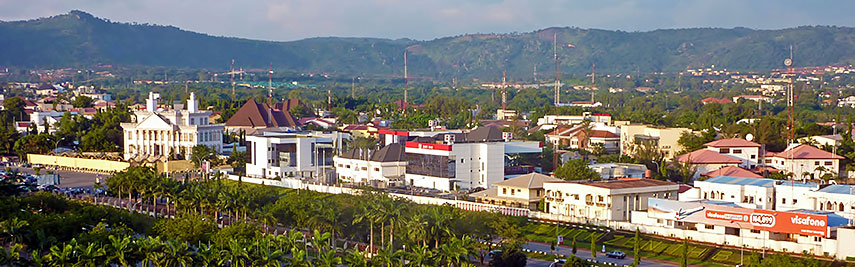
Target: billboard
{"points": [[738, 217]]}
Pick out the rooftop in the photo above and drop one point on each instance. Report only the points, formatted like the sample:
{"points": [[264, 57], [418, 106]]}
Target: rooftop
{"points": [[762, 182], [621, 183], [705, 156], [806, 152], [530, 181], [732, 142], [732, 171], [844, 189]]}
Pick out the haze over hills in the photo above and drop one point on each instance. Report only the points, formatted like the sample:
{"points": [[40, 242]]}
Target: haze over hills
{"points": [[80, 39]]}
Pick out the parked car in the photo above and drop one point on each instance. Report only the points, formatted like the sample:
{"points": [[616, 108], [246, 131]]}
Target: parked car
{"points": [[558, 263], [617, 254], [495, 253]]}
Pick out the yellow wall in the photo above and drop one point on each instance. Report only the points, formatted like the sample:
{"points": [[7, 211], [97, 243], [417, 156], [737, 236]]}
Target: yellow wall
{"points": [[99, 165]]}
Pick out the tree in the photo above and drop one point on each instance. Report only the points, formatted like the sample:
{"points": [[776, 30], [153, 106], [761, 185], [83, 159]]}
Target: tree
{"points": [[573, 261], [636, 248], [82, 101], [201, 153], [15, 105], [576, 169], [684, 256], [33, 144], [593, 246], [511, 256], [573, 246], [691, 141]]}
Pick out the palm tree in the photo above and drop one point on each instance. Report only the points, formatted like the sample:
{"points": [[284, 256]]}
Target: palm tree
{"points": [[207, 255], [12, 227], [439, 218], [118, 246], [90, 255], [63, 255], [417, 229], [298, 258], [394, 212], [367, 213], [265, 254], [150, 248], [421, 256], [39, 259], [327, 258], [177, 253], [236, 254], [355, 258]]}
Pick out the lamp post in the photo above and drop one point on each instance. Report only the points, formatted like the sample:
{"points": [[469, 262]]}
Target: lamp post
{"points": [[741, 243], [55, 147]]}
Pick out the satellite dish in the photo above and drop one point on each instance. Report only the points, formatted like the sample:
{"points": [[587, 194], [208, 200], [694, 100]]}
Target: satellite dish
{"points": [[749, 137], [788, 62]]}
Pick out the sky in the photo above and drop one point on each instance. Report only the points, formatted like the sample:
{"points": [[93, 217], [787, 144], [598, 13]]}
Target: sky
{"points": [[285, 20]]}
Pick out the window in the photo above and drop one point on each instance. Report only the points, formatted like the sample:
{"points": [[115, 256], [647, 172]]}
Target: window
{"points": [[768, 161], [795, 201], [737, 151], [753, 156], [512, 192], [576, 196], [827, 163], [841, 207], [816, 163], [783, 201], [709, 226], [599, 198], [724, 150], [504, 191], [755, 231], [364, 168], [751, 200], [376, 169]]}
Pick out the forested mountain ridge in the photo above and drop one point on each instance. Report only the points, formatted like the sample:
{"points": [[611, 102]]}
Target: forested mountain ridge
{"points": [[80, 39]]}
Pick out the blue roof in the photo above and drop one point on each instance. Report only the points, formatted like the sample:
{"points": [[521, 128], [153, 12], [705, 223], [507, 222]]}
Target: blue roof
{"points": [[838, 189], [793, 183], [763, 182]]}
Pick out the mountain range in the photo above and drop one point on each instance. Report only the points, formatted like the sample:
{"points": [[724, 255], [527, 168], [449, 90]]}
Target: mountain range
{"points": [[81, 39]]}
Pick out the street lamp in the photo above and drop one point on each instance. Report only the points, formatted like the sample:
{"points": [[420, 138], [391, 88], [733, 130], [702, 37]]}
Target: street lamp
{"points": [[741, 243], [56, 147]]}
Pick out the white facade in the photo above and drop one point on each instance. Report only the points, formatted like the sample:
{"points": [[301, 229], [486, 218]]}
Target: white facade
{"points": [[665, 138], [281, 155], [574, 119], [750, 156], [39, 118], [363, 171], [468, 165], [751, 193], [605, 200], [161, 133]]}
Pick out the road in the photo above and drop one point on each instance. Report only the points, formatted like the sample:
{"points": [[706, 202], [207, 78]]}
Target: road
{"points": [[586, 254]]}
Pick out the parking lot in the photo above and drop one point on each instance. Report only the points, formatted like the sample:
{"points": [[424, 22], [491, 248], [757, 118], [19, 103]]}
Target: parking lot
{"points": [[70, 178]]}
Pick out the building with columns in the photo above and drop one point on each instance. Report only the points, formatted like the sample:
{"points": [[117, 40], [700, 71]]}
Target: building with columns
{"points": [[157, 133]]}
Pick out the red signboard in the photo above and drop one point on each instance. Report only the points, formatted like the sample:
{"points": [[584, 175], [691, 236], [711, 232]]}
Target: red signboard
{"points": [[429, 146], [737, 217]]}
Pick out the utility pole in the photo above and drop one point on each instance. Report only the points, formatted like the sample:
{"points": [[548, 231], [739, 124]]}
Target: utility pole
{"points": [[557, 69], [504, 90], [233, 78], [270, 84], [353, 87], [405, 77]]}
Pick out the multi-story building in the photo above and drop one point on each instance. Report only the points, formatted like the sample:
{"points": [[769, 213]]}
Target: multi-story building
{"points": [[160, 133], [746, 151], [575, 119], [254, 117], [576, 137], [278, 155], [605, 200], [755, 193], [705, 160], [454, 160], [805, 162], [373, 167], [634, 135], [524, 191]]}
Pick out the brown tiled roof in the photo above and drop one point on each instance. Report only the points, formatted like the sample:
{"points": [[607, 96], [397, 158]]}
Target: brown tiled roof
{"points": [[603, 134], [806, 152], [255, 115], [530, 181], [732, 171], [288, 104], [706, 156]]}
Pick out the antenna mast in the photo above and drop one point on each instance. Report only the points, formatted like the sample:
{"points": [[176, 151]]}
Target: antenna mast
{"points": [[593, 74], [270, 84], [405, 77], [504, 90], [557, 69], [233, 78]]}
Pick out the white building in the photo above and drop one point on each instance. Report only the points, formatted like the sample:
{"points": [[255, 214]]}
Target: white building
{"points": [[607, 200], [746, 151], [39, 118], [575, 119], [805, 162], [278, 155], [377, 168], [451, 161], [755, 193], [634, 135], [705, 160], [159, 133]]}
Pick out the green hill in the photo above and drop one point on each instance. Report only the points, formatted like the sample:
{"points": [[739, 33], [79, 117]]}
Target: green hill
{"points": [[80, 39]]}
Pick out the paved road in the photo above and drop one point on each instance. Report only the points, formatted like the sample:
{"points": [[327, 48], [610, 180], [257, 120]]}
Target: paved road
{"points": [[70, 178], [601, 257]]}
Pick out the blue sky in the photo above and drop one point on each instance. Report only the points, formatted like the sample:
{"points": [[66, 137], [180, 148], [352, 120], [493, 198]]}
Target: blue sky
{"points": [[284, 20]]}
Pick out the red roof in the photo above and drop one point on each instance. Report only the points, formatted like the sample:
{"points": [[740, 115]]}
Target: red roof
{"points": [[732, 142], [806, 152], [732, 171], [716, 100], [706, 156], [603, 134]]}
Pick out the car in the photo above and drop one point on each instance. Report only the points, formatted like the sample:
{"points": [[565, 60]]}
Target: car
{"points": [[558, 263], [617, 254], [494, 253]]}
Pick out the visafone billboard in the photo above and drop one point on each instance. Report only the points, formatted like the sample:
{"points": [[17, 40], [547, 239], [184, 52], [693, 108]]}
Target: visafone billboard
{"points": [[737, 217]]}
